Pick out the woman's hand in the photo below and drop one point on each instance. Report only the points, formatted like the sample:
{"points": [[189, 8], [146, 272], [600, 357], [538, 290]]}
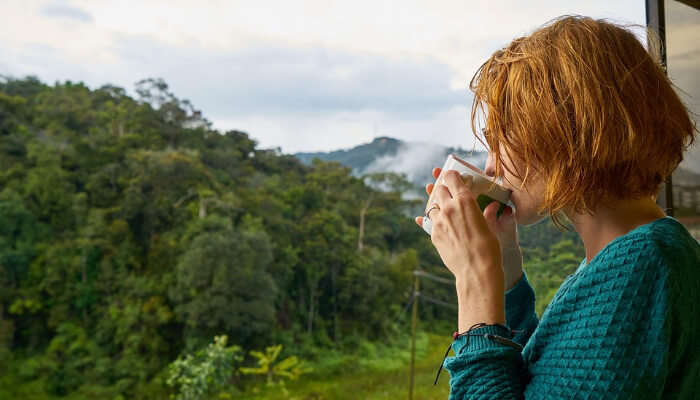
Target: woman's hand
{"points": [[470, 250], [505, 229]]}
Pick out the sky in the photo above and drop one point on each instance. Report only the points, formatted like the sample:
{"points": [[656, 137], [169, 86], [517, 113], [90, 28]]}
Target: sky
{"points": [[298, 75]]}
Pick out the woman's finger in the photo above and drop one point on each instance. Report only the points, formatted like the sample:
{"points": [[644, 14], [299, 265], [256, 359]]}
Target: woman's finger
{"points": [[457, 186], [442, 195], [461, 191], [436, 172], [419, 221], [429, 188]]}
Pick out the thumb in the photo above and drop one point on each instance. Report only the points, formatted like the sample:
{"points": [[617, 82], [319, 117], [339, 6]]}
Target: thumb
{"points": [[507, 216], [491, 217]]}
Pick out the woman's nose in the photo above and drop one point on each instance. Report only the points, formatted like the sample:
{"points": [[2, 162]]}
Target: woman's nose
{"points": [[490, 168]]}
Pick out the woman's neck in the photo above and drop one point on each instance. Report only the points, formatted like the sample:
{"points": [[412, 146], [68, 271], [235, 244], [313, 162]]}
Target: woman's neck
{"points": [[610, 222]]}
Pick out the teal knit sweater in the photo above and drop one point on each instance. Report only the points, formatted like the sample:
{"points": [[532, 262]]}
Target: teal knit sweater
{"points": [[627, 325]]}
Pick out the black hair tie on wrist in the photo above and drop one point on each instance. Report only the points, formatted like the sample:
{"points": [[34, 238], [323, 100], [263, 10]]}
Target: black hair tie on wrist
{"points": [[489, 336]]}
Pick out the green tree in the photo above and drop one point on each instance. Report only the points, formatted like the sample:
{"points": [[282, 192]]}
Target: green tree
{"points": [[221, 280], [196, 376], [326, 245], [70, 359]]}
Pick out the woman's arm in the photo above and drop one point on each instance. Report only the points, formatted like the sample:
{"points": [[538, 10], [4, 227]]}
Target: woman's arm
{"points": [[520, 310], [602, 337]]}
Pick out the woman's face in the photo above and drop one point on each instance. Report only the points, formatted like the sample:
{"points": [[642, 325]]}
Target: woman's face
{"points": [[525, 203]]}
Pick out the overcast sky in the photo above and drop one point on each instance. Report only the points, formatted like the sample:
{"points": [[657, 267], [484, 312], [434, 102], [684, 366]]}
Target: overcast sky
{"points": [[312, 75]]}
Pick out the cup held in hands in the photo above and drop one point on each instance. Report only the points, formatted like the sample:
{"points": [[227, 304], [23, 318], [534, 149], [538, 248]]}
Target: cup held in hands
{"points": [[479, 183]]}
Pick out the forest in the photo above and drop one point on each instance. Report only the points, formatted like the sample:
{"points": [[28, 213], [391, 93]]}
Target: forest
{"points": [[145, 255]]}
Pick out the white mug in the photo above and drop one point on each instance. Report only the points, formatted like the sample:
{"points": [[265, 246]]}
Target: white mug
{"points": [[485, 188]]}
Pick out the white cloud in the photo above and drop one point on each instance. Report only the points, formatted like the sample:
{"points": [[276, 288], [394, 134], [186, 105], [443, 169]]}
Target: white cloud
{"points": [[58, 10], [274, 78]]}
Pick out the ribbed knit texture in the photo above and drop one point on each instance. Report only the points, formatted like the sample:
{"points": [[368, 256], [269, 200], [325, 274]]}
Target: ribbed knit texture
{"points": [[625, 326]]}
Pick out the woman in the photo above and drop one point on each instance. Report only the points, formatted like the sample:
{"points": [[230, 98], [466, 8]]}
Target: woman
{"points": [[581, 123]]}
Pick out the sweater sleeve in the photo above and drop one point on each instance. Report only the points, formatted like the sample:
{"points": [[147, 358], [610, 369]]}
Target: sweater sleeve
{"points": [[483, 369], [520, 310], [601, 338]]}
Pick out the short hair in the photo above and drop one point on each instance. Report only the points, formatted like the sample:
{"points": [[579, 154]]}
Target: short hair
{"points": [[581, 102]]}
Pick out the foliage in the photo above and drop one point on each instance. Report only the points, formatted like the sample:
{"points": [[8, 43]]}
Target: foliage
{"points": [[195, 377], [222, 281], [547, 272], [70, 358], [276, 372], [379, 373]]}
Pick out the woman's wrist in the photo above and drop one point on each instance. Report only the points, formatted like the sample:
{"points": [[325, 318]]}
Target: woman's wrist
{"points": [[479, 301], [487, 278]]}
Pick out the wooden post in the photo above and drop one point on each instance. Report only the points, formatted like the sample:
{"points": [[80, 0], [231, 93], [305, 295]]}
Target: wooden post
{"points": [[414, 322]]}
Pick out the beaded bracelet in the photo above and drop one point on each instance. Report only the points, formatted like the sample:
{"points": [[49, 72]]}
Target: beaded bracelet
{"points": [[496, 338]]}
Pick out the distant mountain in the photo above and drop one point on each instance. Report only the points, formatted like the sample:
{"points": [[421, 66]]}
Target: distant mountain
{"points": [[358, 157], [385, 154]]}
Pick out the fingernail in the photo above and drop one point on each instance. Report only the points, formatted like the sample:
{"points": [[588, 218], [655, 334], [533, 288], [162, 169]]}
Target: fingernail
{"points": [[427, 226]]}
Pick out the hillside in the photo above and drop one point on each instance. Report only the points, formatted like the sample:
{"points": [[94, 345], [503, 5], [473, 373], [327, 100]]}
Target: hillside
{"points": [[358, 157], [131, 234]]}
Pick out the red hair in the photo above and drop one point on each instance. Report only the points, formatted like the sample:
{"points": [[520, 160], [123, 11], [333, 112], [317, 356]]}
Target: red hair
{"points": [[581, 103]]}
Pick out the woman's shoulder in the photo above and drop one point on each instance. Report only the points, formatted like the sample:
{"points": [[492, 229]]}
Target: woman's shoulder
{"points": [[672, 242], [664, 240], [660, 255]]}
